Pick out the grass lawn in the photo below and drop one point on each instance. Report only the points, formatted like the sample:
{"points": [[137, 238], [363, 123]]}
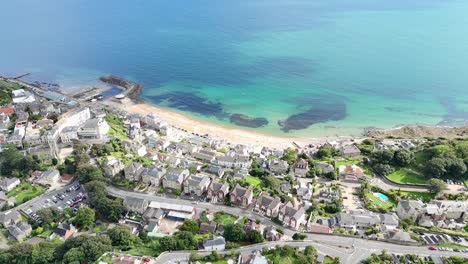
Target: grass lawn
{"points": [[347, 162], [139, 251], [379, 203], [283, 260], [223, 218], [116, 126], [406, 177], [423, 196], [25, 192], [253, 181], [328, 260]]}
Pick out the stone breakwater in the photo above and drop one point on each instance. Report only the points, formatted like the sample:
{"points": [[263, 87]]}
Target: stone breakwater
{"points": [[131, 90]]}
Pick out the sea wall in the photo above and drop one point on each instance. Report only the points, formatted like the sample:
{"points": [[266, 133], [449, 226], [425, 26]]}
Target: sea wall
{"points": [[131, 90]]}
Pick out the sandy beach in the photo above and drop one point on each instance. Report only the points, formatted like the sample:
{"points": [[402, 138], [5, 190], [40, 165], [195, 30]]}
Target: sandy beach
{"points": [[228, 133]]}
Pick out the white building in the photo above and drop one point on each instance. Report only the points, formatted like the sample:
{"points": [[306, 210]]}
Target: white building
{"points": [[21, 96], [68, 134], [93, 128]]}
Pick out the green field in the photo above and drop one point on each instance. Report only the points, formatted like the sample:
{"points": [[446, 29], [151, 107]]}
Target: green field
{"points": [[253, 181], [403, 176], [25, 192], [379, 203], [224, 219]]}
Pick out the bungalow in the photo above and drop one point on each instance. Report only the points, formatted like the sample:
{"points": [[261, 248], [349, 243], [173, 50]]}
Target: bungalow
{"points": [[351, 172], [132, 172], [214, 243], [20, 231], [254, 257], [350, 151], [388, 221], [196, 185], [267, 205], [301, 167], [9, 218], [278, 166], [319, 229], [152, 175], [329, 194], [136, 205], [134, 147], [271, 234], [208, 228], [8, 184], [216, 170], [305, 192], [174, 178], [325, 167], [113, 167], [6, 201], [410, 209], [291, 215], [49, 177], [205, 155], [64, 231], [356, 220], [217, 191], [241, 196]]}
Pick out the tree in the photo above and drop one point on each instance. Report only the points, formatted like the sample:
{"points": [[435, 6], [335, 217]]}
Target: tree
{"points": [[436, 167], [326, 151], [436, 186], [102, 149], [94, 246], [402, 157], [254, 236], [168, 243], [289, 156], [272, 182], [190, 226], [185, 240], [49, 215], [234, 232], [383, 169], [456, 167], [75, 255], [299, 236], [109, 209], [87, 172], [85, 218], [120, 236], [13, 162]]}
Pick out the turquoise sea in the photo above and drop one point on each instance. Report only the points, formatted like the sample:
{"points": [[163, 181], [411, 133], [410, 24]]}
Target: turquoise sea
{"points": [[301, 67]]}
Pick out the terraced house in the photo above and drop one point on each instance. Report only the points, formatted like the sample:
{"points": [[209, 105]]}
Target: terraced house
{"points": [[291, 215], [241, 196], [267, 205], [196, 185], [217, 191]]}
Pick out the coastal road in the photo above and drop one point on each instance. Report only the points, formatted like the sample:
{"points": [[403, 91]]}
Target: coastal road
{"points": [[361, 248], [346, 255]]}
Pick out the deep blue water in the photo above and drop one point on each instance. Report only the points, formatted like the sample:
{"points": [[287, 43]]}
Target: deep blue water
{"points": [[322, 67]]}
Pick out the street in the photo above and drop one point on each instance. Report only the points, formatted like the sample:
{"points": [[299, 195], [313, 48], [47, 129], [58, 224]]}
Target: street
{"points": [[361, 248]]}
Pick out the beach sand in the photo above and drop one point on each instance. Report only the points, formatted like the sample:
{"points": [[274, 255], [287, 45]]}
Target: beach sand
{"points": [[229, 133]]}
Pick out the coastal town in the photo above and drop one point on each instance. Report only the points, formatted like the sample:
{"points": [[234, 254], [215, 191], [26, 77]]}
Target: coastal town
{"points": [[91, 179]]}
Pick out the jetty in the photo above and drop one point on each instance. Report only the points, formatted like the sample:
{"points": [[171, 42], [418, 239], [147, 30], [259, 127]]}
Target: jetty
{"points": [[88, 94]]}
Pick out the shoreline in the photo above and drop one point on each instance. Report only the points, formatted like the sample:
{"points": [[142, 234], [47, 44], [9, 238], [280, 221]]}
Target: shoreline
{"points": [[229, 133]]}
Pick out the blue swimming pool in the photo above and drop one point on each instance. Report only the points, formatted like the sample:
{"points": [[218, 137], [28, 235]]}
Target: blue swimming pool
{"points": [[381, 196]]}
